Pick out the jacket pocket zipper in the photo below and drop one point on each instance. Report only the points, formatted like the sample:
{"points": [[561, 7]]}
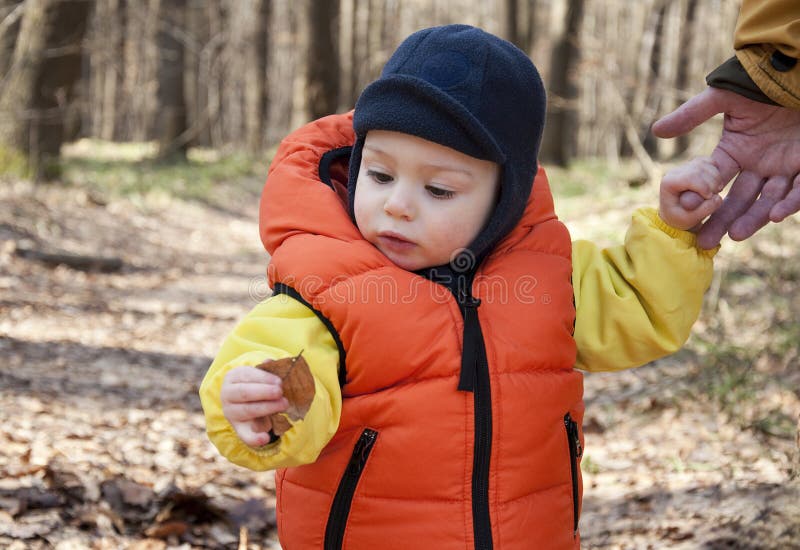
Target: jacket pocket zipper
{"points": [[340, 509], [575, 453]]}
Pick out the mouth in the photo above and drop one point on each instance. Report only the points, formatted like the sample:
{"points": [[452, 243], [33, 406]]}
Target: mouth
{"points": [[394, 241]]}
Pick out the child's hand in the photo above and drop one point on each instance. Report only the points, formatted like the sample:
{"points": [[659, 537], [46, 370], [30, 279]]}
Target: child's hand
{"points": [[249, 395], [698, 175]]}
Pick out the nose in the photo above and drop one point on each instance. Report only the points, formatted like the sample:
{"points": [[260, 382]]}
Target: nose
{"points": [[399, 203]]}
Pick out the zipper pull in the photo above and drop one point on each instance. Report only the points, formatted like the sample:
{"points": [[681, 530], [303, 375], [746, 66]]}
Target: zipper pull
{"points": [[572, 430], [361, 451], [469, 352]]}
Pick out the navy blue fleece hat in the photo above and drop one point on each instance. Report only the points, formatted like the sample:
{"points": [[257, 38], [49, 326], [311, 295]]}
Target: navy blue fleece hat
{"points": [[469, 90]]}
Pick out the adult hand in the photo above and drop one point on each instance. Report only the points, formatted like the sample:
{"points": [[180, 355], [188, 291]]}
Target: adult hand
{"points": [[760, 143]]}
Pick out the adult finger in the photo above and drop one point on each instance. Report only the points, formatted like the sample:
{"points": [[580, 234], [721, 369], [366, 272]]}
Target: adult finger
{"points": [[691, 114], [727, 165], [743, 193], [789, 205], [757, 216]]}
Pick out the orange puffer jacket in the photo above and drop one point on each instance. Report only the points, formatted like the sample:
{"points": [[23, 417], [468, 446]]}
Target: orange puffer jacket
{"points": [[416, 462]]}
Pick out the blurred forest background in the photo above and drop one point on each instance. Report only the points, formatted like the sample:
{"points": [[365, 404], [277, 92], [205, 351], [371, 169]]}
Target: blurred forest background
{"points": [[134, 140], [240, 74]]}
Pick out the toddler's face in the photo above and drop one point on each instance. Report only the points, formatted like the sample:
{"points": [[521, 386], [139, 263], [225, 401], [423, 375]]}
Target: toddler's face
{"points": [[419, 202]]}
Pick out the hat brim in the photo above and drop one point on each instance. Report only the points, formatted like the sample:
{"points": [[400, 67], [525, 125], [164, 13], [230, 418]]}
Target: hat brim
{"points": [[403, 103]]}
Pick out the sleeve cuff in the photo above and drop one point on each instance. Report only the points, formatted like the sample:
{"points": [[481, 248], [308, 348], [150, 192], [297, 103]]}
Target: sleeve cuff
{"points": [[686, 237], [732, 76]]}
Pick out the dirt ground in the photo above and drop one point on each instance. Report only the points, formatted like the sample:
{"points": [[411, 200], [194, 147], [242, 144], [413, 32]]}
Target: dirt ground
{"points": [[102, 435]]}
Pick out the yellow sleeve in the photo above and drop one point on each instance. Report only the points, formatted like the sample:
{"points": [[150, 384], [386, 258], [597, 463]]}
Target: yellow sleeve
{"points": [[276, 328], [762, 28], [638, 301]]}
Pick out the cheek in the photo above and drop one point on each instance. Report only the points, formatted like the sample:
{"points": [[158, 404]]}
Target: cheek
{"points": [[361, 208], [450, 234]]}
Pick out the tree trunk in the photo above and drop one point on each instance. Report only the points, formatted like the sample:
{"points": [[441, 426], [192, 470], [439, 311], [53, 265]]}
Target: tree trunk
{"points": [[112, 69], [39, 90], [171, 99], [323, 59], [102, 75], [558, 144], [355, 60], [511, 17], [654, 88], [10, 17], [684, 58], [257, 89], [372, 38], [534, 25]]}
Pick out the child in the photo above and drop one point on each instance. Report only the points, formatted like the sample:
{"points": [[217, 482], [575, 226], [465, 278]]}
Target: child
{"points": [[443, 310]]}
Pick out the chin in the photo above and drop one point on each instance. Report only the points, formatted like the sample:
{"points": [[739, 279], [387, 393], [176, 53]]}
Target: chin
{"points": [[409, 264]]}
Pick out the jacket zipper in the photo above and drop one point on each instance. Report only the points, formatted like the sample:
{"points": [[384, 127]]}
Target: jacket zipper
{"points": [[474, 377], [575, 453], [340, 509]]}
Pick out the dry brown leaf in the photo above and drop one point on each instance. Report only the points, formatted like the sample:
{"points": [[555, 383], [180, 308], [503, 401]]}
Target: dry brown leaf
{"points": [[280, 424], [298, 389], [167, 529]]}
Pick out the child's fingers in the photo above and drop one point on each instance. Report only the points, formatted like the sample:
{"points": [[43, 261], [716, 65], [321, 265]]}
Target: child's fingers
{"points": [[251, 434], [708, 207], [246, 412], [690, 200], [246, 392], [699, 181], [246, 374], [742, 194], [263, 424]]}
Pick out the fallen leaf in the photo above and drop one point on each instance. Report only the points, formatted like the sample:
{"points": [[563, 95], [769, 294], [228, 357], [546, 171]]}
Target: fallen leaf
{"points": [[280, 424], [193, 507], [67, 480], [167, 529], [29, 527], [298, 389], [148, 544], [132, 501], [21, 499], [254, 515]]}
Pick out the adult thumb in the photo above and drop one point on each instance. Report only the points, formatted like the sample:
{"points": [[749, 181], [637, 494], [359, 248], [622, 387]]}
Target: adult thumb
{"points": [[691, 114]]}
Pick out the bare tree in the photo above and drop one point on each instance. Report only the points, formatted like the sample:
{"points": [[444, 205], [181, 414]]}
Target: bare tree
{"points": [[518, 18], [511, 18], [171, 116], [534, 25], [322, 61], [558, 144], [254, 69], [256, 83], [10, 17], [40, 85], [687, 43], [653, 88], [106, 45]]}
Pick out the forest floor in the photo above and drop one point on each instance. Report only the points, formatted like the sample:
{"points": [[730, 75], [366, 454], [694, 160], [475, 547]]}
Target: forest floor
{"points": [[102, 435]]}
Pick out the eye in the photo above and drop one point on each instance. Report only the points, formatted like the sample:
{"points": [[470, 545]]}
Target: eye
{"points": [[379, 177], [439, 193]]}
